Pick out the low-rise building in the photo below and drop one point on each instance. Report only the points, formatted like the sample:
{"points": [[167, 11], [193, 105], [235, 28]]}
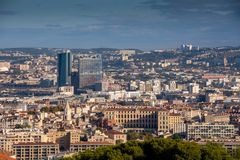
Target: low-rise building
{"points": [[210, 131], [139, 119], [173, 120], [32, 151], [83, 146], [8, 140], [64, 138], [217, 118], [118, 137]]}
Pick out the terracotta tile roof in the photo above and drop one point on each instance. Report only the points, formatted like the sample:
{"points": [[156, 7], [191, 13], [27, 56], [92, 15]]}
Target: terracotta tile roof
{"points": [[6, 157]]}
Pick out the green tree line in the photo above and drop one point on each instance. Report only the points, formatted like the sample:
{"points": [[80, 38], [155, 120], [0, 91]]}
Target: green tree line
{"points": [[157, 149]]}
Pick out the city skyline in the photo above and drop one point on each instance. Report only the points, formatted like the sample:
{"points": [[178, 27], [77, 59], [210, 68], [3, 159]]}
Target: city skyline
{"points": [[143, 24]]}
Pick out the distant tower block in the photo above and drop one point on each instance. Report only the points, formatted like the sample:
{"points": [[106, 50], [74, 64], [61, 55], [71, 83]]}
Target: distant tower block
{"points": [[90, 71], [64, 68], [225, 61]]}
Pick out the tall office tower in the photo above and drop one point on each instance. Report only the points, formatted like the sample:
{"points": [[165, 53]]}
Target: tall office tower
{"points": [[64, 68], [75, 81], [90, 72]]}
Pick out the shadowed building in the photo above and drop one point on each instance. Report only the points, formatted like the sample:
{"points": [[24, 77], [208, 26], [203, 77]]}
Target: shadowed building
{"points": [[75, 81]]}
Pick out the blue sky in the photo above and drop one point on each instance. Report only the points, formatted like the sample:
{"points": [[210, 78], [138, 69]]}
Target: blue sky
{"points": [[143, 24]]}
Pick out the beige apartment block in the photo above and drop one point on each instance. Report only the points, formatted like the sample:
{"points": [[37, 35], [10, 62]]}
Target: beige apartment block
{"points": [[32, 151], [139, 119]]}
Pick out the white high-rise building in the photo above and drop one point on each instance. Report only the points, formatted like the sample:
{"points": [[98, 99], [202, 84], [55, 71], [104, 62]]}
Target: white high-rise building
{"points": [[186, 47], [194, 88], [156, 86], [142, 86], [172, 86]]}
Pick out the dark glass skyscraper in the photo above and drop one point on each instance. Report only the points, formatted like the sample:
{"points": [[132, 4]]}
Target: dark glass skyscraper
{"points": [[64, 68], [90, 72]]}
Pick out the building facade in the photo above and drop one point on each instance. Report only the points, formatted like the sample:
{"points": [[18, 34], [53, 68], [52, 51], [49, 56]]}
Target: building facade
{"points": [[8, 140], [176, 123], [90, 72], [32, 151], [209, 131], [64, 138], [139, 119]]}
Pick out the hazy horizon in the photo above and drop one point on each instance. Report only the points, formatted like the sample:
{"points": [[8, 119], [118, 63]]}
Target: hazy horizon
{"points": [[140, 24]]}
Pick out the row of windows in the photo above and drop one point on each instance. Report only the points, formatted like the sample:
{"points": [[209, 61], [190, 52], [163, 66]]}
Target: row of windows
{"points": [[213, 126], [84, 147], [134, 112], [140, 125], [211, 130], [35, 148], [136, 121], [34, 153], [137, 116], [163, 128]]}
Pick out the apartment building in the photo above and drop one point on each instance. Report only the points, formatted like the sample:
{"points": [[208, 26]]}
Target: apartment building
{"points": [[8, 140], [173, 119], [217, 118], [176, 124], [138, 119], [33, 151], [99, 136], [118, 137], [7, 122], [207, 131], [63, 138]]}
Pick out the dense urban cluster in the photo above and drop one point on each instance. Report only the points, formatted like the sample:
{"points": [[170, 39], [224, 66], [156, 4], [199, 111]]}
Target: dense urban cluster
{"points": [[58, 103]]}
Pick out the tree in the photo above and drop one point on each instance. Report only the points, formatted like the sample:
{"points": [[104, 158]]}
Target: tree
{"points": [[237, 154], [114, 155], [156, 149], [187, 150], [18, 126], [119, 141], [25, 125], [176, 136], [132, 148], [133, 136], [214, 151]]}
